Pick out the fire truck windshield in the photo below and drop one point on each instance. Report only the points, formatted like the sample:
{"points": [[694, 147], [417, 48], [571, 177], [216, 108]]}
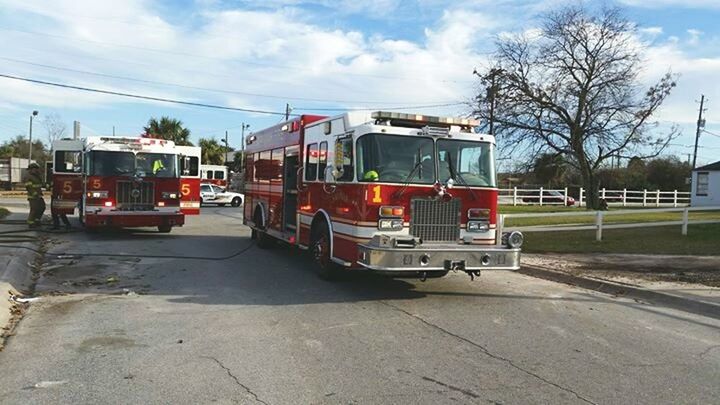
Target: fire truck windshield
{"points": [[394, 158], [466, 162], [105, 163]]}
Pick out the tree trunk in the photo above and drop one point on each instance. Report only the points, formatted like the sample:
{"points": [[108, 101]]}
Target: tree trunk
{"points": [[592, 189]]}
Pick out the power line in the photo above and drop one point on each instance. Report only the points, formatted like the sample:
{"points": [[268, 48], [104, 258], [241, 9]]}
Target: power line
{"points": [[137, 96], [409, 107], [246, 62], [711, 133], [205, 105], [195, 87]]}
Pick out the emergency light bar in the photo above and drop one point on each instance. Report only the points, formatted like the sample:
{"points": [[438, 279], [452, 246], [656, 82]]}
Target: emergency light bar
{"points": [[385, 115]]}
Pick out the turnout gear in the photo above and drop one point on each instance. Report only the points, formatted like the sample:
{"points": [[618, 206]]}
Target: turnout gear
{"points": [[33, 185]]}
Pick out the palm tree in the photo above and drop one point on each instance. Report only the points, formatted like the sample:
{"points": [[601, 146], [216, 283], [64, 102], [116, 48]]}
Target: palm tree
{"points": [[170, 129], [212, 152]]}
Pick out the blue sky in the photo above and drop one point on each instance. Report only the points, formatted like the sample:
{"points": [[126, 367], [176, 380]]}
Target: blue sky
{"points": [[312, 54]]}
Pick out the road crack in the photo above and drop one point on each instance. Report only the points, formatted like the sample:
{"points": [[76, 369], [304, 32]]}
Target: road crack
{"points": [[237, 381], [488, 353]]}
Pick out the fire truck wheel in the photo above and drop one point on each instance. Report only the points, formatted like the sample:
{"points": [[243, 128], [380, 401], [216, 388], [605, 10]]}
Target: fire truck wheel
{"points": [[236, 202], [164, 228], [326, 268], [263, 240]]}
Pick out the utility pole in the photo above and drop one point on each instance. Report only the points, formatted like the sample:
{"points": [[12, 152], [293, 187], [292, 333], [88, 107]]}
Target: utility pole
{"points": [[243, 127], [287, 112], [227, 147], [492, 91], [113, 130], [700, 126]]}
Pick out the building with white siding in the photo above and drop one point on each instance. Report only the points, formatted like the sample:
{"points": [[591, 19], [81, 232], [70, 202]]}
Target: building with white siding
{"points": [[706, 186]]}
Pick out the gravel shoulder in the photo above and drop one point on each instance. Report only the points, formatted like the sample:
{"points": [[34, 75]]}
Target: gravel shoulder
{"points": [[692, 274]]}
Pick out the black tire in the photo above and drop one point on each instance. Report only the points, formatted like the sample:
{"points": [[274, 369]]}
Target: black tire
{"points": [[263, 240], [222, 204], [320, 247], [236, 202], [164, 228]]}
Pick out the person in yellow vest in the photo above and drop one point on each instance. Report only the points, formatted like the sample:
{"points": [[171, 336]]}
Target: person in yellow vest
{"points": [[157, 166], [33, 185]]}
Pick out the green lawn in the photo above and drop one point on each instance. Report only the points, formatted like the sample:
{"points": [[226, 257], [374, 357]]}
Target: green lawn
{"points": [[637, 216], [701, 240]]}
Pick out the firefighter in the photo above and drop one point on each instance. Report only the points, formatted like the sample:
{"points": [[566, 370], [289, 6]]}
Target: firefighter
{"points": [[33, 185], [371, 175], [157, 166]]}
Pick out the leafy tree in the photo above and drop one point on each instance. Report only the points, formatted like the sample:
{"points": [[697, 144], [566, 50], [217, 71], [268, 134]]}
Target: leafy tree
{"points": [[170, 129], [668, 174], [549, 169], [18, 147], [212, 152], [572, 89]]}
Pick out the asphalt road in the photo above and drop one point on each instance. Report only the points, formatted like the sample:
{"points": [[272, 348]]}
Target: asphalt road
{"points": [[262, 328]]}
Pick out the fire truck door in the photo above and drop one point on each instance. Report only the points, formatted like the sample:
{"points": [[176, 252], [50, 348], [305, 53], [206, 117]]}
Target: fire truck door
{"points": [[189, 179], [290, 192]]}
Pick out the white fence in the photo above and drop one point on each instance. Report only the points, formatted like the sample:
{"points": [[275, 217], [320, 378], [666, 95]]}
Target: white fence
{"points": [[623, 198], [598, 226]]}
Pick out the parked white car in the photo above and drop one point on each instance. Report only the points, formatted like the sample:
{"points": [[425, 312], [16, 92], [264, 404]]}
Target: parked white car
{"points": [[212, 194]]}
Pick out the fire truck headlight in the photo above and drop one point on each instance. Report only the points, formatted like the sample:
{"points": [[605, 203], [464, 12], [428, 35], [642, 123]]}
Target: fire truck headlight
{"points": [[478, 226], [169, 196], [390, 224], [97, 194], [513, 239]]}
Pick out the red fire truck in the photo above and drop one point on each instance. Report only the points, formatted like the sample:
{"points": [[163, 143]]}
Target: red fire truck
{"points": [[118, 182], [402, 194]]}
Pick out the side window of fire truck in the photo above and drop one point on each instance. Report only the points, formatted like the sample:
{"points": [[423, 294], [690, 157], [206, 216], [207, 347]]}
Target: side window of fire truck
{"points": [[322, 160], [190, 165], [68, 162], [311, 162], [219, 175], [348, 173]]}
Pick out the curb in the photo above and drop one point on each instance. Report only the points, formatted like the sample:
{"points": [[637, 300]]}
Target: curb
{"points": [[613, 288]]}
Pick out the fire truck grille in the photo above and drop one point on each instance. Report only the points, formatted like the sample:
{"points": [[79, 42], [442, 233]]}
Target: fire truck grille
{"points": [[435, 220], [135, 196]]}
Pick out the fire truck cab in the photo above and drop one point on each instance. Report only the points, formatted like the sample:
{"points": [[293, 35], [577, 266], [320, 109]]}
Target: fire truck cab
{"points": [[402, 194], [118, 182]]}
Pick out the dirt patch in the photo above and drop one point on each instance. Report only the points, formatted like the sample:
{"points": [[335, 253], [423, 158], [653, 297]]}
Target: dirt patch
{"points": [[703, 270]]}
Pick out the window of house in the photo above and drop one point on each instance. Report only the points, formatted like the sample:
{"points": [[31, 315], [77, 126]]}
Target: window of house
{"points": [[703, 182], [311, 162]]}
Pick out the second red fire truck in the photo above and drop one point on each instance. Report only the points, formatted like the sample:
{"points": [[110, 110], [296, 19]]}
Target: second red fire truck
{"points": [[123, 182], [402, 194]]}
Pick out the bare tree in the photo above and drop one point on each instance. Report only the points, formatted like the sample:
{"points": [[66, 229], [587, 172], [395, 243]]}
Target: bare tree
{"points": [[572, 89], [55, 127]]}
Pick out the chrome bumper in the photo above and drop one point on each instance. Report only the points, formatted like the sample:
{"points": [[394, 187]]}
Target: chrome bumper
{"points": [[439, 257]]}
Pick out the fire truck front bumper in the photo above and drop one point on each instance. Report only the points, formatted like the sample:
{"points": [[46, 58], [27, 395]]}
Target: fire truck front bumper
{"points": [[423, 257], [129, 219]]}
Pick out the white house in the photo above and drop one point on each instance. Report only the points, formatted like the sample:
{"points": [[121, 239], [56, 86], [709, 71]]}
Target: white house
{"points": [[706, 186]]}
